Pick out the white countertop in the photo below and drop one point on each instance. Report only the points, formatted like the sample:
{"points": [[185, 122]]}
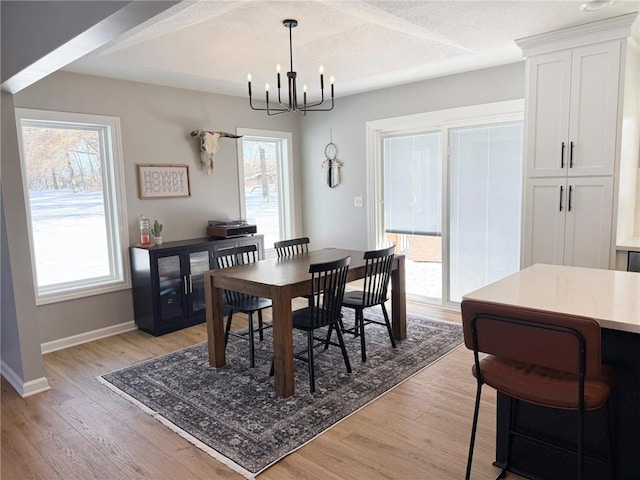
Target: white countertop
{"points": [[630, 244], [609, 296]]}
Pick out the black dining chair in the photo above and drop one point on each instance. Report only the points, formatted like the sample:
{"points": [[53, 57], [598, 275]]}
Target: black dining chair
{"points": [[378, 265], [294, 246], [242, 302], [328, 281], [544, 359]]}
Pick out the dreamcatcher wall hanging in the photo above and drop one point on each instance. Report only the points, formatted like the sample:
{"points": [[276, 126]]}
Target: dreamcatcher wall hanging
{"points": [[331, 163]]}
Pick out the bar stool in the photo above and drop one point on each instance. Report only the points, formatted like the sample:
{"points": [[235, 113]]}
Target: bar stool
{"points": [[541, 358]]}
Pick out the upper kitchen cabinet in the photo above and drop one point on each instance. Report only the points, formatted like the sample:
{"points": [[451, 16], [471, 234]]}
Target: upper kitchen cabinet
{"points": [[572, 111], [582, 128]]}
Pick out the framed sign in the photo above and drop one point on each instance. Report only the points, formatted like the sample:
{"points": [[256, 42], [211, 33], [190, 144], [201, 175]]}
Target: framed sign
{"points": [[163, 181]]}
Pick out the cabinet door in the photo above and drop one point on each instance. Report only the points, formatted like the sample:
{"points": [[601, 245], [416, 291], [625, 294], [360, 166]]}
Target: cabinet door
{"points": [[595, 73], [547, 125], [171, 289], [588, 225], [544, 221], [198, 264]]}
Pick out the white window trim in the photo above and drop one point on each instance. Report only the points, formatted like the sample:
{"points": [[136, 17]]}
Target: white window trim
{"points": [[120, 201], [285, 174]]}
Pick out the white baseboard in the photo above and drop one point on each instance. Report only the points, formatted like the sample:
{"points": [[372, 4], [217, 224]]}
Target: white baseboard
{"points": [[81, 338], [24, 389]]}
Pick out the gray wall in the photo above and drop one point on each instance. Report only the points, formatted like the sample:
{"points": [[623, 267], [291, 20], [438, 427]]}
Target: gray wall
{"points": [[155, 123], [21, 346], [330, 218]]}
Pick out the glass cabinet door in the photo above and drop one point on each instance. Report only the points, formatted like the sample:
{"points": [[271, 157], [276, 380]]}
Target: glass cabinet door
{"points": [[170, 287], [198, 264]]}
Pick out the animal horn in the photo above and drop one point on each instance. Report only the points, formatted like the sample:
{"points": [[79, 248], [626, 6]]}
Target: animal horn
{"points": [[230, 135]]}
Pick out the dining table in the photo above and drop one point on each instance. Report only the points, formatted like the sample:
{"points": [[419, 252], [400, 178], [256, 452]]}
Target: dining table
{"points": [[282, 280]]}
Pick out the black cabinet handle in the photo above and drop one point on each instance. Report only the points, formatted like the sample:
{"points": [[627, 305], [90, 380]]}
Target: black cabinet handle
{"points": [[561, 190], [184, 281], [562, 155], [571, 155], [569, 205]]}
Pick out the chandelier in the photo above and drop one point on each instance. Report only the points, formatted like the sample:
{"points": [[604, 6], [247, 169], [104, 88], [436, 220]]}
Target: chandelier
{"points": [[292, 104]]}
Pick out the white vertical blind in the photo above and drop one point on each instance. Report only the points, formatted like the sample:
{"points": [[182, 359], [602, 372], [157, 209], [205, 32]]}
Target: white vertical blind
{"points": [[413, 183], [485, 200]]}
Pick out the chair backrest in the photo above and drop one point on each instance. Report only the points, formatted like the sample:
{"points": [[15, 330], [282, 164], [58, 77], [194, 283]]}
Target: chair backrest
{"points": [[230, 257], [294, 246], [377, 273], [546, 339], [328, 281]]}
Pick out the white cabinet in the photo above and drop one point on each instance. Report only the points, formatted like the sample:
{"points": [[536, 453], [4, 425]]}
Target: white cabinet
{"points": [[572, 111], [576, 100], [568, 221]]}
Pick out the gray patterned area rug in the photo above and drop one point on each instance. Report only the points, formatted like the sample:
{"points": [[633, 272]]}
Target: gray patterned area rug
{"points": [[233, 414]]}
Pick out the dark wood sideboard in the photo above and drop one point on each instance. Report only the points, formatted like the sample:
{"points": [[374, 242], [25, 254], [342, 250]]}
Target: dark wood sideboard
{"points": [[168, 284]]}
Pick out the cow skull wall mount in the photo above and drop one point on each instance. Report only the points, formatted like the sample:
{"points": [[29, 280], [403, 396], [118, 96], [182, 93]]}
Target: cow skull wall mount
{"points": [[209, 146]]}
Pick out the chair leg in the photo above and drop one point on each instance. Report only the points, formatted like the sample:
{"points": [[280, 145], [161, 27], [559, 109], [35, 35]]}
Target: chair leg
{"points": [[474, 426], [252, 358], [389, 330], [227, 328], [260, 325], [344, 350], [312, 373], [363, 348], [329, 332]]}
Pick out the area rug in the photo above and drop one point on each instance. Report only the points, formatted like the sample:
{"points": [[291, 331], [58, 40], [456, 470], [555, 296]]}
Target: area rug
{"points": [[233, 414]]}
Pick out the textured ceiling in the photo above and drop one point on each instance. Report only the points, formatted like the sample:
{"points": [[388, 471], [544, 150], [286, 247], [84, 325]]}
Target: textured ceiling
{"points": [[366, 44]]}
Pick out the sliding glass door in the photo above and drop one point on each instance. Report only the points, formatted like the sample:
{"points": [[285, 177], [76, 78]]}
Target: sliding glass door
{"points": [[412, 174], [485, 197], [451, 202]]}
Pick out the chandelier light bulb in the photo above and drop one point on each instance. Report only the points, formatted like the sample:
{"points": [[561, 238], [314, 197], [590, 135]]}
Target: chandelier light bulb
{"points": [[304, 88], [321, 69], [248, 77], [266, 87], [332, 80], [278, 68]]}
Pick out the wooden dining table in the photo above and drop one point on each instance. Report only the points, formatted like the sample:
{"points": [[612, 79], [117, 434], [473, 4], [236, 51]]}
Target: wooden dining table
{"points": [[281, 280]]}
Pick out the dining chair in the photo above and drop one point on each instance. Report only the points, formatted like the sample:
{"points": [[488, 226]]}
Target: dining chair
{"points": [[328, 281], [378, 265], [540, 358], [294, 246], [242, 302]]}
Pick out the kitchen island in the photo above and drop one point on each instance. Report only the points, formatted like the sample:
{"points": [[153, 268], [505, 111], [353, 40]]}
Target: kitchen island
{"points": [[613, 299]]}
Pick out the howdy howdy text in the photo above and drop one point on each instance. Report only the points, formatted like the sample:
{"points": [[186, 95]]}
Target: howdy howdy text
{"points": [[164, 182]]}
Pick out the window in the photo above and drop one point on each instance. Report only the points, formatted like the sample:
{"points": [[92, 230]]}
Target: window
{"points": [[73, 181], [266, 183]]}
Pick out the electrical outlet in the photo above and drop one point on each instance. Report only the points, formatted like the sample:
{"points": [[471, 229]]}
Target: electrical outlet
{"points": [[358, 202]]}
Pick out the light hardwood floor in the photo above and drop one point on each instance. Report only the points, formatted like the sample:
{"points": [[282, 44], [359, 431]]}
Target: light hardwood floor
{"points": [[81, 430]]}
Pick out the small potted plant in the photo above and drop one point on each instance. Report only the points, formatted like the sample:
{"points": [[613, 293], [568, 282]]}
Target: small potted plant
{"points": [[156, 231]]}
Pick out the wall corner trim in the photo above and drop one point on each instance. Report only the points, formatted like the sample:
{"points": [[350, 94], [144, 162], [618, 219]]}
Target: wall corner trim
{"points": [[24, 389], [73, 340]]}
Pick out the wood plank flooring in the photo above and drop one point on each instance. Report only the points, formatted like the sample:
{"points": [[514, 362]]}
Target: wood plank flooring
{"points": [[81, 430]]}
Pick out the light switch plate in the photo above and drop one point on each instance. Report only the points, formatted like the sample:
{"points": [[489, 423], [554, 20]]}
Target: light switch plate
{"points": [[358, 202]]}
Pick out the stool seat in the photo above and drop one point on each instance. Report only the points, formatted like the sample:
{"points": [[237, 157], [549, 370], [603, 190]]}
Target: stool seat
{"points": [[545, 386]]}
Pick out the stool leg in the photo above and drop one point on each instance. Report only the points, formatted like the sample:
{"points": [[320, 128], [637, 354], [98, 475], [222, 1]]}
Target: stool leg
{"points": [[473, 430], [312, 372], [260, 327], [612, 443], [580, 440]]}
